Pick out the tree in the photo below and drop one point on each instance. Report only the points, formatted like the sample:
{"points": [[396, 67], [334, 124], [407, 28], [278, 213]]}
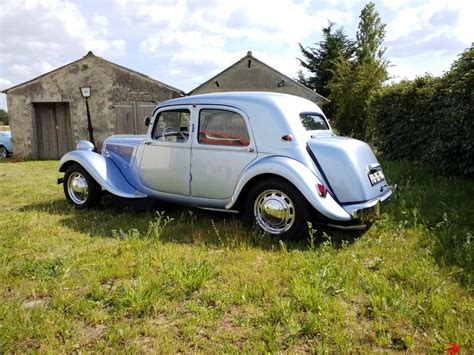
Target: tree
{"points": [[357, 79], [320, 60], [370, 36], [3, 117]]}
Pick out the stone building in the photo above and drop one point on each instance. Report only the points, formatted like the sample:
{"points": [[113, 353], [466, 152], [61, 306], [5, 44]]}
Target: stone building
{"points": [[48, 114], [251, 74]]}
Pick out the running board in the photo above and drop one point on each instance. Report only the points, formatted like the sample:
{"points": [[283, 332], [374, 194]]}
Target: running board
{"points": [[217, 209]]}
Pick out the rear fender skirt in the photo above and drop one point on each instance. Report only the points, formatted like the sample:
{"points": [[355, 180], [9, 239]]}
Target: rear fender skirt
{"points": [[300, 176], [103, 170]]}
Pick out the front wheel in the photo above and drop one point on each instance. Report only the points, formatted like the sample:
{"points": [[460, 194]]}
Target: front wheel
{"points": [[278, 208], [80, 189], [3, 152]]}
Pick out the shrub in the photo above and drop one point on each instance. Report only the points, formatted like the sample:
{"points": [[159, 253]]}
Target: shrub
{"points": [[429, 119]]}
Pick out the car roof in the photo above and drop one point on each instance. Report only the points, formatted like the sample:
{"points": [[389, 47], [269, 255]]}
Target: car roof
{"points": [[236, 98]]}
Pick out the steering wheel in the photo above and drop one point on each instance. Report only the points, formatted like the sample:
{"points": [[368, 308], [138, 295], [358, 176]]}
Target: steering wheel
{"points": [[173, 132]]}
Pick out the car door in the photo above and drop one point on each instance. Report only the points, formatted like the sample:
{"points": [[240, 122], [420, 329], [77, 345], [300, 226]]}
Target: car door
{"points": [[222, 147], [165, 161]]}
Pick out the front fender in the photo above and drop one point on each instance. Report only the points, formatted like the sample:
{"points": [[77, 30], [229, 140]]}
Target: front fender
{"points": [[103, 170], [300, 176]]}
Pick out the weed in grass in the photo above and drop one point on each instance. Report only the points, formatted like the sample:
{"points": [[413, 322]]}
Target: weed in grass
{"points": [[158, 226], [41, 268], [184, 278]]}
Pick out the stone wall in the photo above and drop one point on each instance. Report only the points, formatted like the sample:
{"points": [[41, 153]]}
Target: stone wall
{"points": [[110, 84], [250, 74]]}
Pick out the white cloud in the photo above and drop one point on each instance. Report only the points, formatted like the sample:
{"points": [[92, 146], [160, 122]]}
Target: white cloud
{"points": [[38, 36], [4, 83], [464, 27], [434, 17], [427, 37], [167, 14], [214, 35]]}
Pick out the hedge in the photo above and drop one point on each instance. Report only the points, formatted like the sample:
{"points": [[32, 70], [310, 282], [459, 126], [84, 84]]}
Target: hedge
{"points": [[429, 120]]}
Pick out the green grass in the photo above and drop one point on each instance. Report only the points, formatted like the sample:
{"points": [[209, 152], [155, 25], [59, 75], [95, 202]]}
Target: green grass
{"points": [[127, 278]]}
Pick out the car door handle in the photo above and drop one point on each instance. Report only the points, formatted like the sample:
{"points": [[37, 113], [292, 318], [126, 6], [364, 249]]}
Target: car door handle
{"points": [[147, 142], [251, 150]]}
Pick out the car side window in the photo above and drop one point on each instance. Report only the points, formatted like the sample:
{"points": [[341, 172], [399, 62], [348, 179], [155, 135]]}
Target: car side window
{"points": [[222, 127], [172, 126]]}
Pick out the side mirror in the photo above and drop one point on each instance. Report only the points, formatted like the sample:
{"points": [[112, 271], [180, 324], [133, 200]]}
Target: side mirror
{"points": [[146, 121]]}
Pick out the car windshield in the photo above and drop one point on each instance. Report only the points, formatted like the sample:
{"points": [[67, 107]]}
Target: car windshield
{"points": [[313, 121]]}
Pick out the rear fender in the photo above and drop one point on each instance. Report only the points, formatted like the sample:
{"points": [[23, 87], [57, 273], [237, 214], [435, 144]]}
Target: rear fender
{"points": [[300, 176], [102, 170]]}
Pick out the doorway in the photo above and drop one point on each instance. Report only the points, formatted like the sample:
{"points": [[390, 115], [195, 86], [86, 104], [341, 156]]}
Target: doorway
{"points": [[52, 129]]}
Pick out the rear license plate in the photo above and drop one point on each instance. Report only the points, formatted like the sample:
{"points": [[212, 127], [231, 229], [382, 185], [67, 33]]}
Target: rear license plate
{"points": [[375, 177]]}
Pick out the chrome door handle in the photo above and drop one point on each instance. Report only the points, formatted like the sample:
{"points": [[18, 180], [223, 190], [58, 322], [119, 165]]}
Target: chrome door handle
{"points": [[147, 143], [251, 150]]}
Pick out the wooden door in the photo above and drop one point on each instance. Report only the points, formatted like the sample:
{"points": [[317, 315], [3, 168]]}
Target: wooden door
{"points": [[52, 129], [129, 116], [142, 109], [125, 118]]}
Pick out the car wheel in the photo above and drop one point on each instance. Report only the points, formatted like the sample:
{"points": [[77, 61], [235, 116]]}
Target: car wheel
{"points": [[278, 208], [80, 188], [3, 152]]}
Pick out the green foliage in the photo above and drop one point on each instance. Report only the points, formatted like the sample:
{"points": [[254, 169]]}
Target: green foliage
{"points": [[370, 36], [320, 60], [4, 117], [356, 80], [430, 119]]}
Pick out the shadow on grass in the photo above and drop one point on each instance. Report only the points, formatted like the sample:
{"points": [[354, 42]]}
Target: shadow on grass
{"points": [[118, 217]]}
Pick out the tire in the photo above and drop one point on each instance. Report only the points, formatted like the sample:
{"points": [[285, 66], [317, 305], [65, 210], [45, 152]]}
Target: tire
{"points": [[80, 189], [286, 212], [3, 152]]}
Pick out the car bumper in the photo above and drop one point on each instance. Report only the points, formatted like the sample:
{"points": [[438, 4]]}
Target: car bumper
{"points": [[370, 209], [364, 213]]}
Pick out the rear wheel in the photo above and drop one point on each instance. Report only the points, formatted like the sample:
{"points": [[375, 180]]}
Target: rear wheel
{"points": [[278, 208], [80, 189]]}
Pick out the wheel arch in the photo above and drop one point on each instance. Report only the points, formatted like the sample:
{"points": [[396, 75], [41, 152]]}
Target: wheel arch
{"points": [[240, 202], [102, 170], [67, 164], [295, 173]]}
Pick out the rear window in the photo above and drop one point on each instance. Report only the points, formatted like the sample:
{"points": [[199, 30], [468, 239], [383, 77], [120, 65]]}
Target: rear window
{"points": [[313, 121]]}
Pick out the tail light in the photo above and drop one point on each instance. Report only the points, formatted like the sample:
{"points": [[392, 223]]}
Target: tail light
{"points": [[323, 190]]}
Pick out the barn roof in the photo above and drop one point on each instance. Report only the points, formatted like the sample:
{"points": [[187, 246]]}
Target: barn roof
{"points": [[250, 56], [90, 54]]}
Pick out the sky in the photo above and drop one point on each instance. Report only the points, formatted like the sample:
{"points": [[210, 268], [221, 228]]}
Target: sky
{"points": [[185, 42]]}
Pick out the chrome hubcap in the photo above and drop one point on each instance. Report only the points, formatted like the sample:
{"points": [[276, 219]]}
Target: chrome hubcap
{"points": [[77, 188], [3, 152], [274, 211]]}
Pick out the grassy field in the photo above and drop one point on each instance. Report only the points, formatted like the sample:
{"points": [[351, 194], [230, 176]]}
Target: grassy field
{"points": [[129, 277]]}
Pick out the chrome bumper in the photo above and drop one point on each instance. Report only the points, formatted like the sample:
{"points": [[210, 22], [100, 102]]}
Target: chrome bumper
{"points": [[371, 210]]}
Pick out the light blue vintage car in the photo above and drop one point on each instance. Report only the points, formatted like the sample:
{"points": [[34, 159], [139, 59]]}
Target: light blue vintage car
{"points": [[5, 144], [271, 156]]}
